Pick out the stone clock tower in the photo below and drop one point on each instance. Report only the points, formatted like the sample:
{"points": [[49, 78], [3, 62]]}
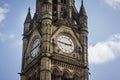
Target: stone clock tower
{"points": [[55, 43]]}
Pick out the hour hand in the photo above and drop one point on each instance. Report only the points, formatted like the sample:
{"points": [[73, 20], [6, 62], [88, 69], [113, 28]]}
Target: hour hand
{"points": [[65, 43]]}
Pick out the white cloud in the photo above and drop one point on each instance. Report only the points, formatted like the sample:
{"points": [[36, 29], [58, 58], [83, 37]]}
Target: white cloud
{"points": [[115, 4], [0, 34], [16, 43], [105, 51], [10, 39], [3, 11], [11, 36], [4, 37]]}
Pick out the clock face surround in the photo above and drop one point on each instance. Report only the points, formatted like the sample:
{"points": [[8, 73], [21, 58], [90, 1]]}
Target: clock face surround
{"points": [[35, 48], [65, 44]]}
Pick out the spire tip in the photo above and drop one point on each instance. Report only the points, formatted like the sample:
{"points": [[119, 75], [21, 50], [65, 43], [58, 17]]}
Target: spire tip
{"points": [[82, 2], [29, 9]]}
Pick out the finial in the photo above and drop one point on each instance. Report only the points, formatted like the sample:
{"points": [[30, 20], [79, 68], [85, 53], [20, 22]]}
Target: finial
{"points": [[29, 9], [28, 17], [82, 11], [82, 2]]}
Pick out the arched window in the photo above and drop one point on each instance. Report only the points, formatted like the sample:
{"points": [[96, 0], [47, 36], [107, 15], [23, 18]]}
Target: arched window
{"points": [[76, 77], [63, 1], [54, 11], [37, 74], [55, 74], [66, 76], [63, 13], [64, 9]]}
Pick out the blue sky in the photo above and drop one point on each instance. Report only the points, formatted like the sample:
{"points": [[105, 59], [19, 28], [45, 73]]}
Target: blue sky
{"points": [[104, 37]]}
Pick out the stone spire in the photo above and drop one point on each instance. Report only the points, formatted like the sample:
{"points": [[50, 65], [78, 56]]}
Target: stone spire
{"points": [[82, 11], [28, 17]]}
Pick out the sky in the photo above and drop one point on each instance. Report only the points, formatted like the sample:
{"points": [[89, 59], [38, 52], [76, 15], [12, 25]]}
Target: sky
{"points": [[104, 37]]}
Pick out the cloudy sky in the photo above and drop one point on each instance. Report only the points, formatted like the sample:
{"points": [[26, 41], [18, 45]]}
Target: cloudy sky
{"points": [[104, 37]]}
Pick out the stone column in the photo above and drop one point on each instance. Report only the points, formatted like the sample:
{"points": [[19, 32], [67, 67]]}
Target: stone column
{"points": [[45, 69], [45, 65], [70, 9], [59, 9]]}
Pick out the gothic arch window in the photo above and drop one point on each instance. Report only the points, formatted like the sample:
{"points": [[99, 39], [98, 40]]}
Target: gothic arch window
{"points": [[75, 77], [54, 11], [38, 75], [63, 1], [66, 75], [64, 9], [55, 74], [63, 13]]}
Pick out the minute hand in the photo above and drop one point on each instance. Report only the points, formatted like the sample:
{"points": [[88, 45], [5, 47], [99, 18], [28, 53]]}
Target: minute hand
{"points": [[65, 43]]}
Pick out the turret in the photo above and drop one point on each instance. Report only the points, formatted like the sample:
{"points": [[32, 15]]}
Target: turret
{"points": [[83, 28], [25, 38], [82, 11], [27, 22], [83, 17]]}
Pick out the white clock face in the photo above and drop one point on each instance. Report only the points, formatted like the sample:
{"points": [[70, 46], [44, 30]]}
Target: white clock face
{"points": [[35, 47], [65, 44]]}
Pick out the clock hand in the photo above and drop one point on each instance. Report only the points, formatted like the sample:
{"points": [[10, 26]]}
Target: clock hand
{"points": [[65, 43], [35, 46]]}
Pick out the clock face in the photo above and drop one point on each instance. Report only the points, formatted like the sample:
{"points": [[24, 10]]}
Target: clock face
{"points": [[65, 44], [35, 48]]}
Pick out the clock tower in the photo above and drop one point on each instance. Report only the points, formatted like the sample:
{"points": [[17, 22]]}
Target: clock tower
{"points": [[55, 43]]}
